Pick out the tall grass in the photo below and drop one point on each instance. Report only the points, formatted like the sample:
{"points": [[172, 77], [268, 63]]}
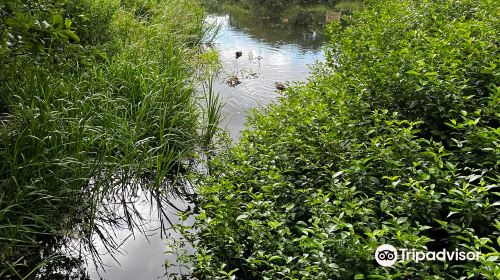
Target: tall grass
{"points": [[213, 113], [80, 140]]}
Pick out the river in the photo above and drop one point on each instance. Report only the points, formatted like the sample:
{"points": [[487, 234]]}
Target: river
{"points": [[272, 50]]}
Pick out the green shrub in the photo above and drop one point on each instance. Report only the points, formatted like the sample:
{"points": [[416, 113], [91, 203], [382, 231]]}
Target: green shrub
{"points": [[393, 140]]}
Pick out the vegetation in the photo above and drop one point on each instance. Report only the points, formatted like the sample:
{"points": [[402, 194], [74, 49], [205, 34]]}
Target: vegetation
{"points": [[278, 24], [395, 139], [96, 107]]}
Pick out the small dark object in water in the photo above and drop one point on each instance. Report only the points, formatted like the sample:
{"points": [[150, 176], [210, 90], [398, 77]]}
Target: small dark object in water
{"points": [[233, 81], [279, 86], [239, 54]]}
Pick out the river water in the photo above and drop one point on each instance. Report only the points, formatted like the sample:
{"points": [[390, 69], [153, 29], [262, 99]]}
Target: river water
{"points": [[272, 50]]}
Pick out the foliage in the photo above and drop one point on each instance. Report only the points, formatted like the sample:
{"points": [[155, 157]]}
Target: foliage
{"points": [[393, 140], [97, 105], [284, 3]]}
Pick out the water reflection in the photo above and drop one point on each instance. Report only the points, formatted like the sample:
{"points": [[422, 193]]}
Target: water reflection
{"points": [[271, 28], [143, 255], [286, 57]]}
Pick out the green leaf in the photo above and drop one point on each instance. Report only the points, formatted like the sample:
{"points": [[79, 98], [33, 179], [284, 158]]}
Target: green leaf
{"points": [[451, 213], [442, 223], [67, 23], [274, 258], [57, 22], [70, 34], [241, 217], [383, 204], [401, 220], [495, 204], [203, 215], [431, 74], [412, 72], [424, 228], [273, 224], [474, 177], [337, 174]]}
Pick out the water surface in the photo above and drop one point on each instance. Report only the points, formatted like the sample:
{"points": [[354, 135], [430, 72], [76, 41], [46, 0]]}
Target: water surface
{"points": [[264, 61], [272, 51]]}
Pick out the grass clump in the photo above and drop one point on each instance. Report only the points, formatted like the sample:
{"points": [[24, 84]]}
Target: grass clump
{"points": [[97, 105], [394, 140]]}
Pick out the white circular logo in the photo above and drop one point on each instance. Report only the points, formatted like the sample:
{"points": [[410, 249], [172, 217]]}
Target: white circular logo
{"points": [[386, 255]]}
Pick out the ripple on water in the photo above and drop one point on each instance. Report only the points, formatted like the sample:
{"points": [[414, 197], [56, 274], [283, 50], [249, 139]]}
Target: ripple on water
{"points": [[263, 63]]}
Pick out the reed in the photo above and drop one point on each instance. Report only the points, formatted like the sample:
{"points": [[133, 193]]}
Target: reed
{"points": [[213, 113], [83, 134]]}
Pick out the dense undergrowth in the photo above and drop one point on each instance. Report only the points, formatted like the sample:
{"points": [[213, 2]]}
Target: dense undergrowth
{"points": [[97, 106], [394, 139]]}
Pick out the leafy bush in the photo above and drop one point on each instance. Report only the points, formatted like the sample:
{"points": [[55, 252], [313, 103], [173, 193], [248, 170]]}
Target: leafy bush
{"points": [[393, 140]]}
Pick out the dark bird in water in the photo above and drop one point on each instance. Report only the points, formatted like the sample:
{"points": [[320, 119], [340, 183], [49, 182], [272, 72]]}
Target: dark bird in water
{"points": [[239, 54], [233, 81], [279, 86]]}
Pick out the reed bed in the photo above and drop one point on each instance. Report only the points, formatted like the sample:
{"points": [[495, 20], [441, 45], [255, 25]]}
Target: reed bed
{"points": [[83, 132]]}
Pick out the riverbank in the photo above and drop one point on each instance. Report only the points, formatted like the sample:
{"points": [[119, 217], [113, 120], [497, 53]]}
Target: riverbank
{"points": [[394, 140], [98, 105]]}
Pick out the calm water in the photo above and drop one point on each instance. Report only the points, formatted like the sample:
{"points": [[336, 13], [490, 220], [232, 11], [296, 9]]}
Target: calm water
{"points": [[272, 51], [264, 61], [142, 256]]}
